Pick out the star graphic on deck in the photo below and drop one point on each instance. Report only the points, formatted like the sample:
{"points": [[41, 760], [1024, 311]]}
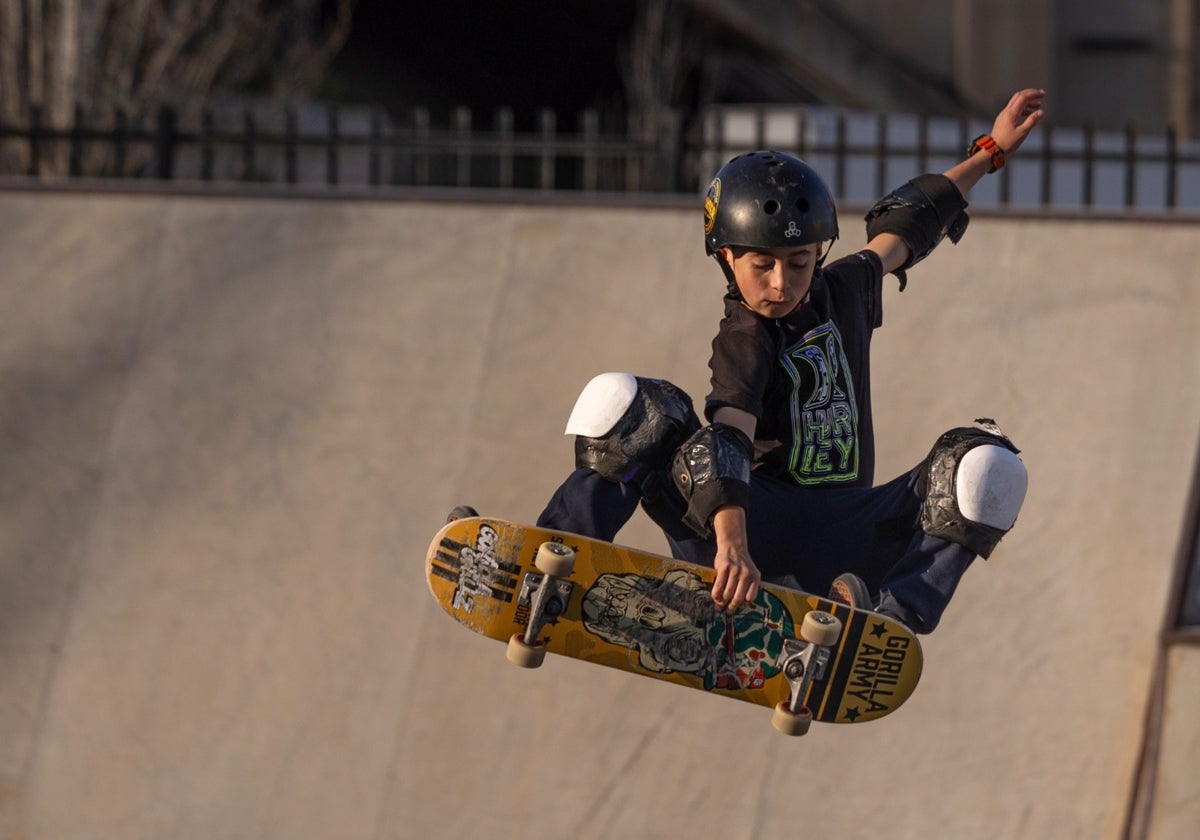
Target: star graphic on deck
{"points": [[852, 714], [879, 630]]}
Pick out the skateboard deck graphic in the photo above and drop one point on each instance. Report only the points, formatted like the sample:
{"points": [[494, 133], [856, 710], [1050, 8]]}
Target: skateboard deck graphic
{"points": [[654, 616]]}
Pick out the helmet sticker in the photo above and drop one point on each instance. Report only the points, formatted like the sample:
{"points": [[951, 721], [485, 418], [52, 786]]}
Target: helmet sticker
{"points": [[792, 230], [711, 200]]}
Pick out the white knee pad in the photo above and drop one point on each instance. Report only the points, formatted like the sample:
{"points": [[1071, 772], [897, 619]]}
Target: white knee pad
{"points": [[626, 425], [972, 486], [990, 486], [602, 402]]}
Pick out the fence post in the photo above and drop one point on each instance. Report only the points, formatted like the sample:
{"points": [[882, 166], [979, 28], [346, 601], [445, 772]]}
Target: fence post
{"points": [[1172, 162], [1089, 161], [672, 153], [923, 143], [75, 155], [1130, 164], [35, 140], [164, 143], [119, 143], [373, 165], [207, 129], [504, 154], [719, 140], [249, 136], [839, 156], [421, 164], [1006, 185], [1047, 164], [331, 148], [590, 120], [546, 122], [289, 143], [881, 152], [633, 157], [462, 146]]}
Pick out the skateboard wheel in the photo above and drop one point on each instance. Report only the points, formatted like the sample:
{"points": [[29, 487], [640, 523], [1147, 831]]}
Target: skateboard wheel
{"points": [[791, 723], [820, 628], [555, 559], [523, 655]]}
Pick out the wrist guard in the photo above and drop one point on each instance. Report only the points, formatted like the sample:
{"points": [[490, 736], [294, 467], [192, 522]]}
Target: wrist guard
{"points": [[712, 469], [922, 212]]}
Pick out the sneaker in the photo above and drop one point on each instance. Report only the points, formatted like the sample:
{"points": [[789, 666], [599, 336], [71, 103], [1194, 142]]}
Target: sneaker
{"points": [[461, 512], [849, 589]]}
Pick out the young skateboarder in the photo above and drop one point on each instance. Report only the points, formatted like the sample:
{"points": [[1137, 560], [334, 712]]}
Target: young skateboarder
{"points": [[780, 479]]}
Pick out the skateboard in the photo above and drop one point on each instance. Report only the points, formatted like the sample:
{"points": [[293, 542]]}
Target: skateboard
{"points": [[805, 657]]}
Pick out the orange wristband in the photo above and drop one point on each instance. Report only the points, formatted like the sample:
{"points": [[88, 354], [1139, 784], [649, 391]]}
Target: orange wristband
{"points": [[987, 144]]}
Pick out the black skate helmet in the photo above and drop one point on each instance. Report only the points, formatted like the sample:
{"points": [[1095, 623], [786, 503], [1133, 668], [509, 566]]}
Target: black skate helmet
{"points": [[766, 200]]}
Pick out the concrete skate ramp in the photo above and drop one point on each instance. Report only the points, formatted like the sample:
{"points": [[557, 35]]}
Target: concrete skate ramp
{"points": [[230, 427]]}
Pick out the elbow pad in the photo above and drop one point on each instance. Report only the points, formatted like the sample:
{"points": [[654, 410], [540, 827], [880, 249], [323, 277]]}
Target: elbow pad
{"points": [[922, 212], [712, 469]]}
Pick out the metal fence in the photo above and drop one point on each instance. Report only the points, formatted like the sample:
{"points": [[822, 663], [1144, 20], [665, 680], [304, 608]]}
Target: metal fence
{"points": [[342, 147], [861, 154]]}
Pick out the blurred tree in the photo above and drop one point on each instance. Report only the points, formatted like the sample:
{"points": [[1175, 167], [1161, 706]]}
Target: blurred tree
{"points": [[135, 56], [661, 65]]}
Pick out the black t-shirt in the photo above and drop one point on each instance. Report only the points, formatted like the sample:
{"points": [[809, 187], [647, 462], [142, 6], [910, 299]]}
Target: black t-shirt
{"points": [[807, 377]]}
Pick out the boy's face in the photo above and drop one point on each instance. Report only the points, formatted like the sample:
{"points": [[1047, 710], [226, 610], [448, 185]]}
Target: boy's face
{"points": [[773, 282]]}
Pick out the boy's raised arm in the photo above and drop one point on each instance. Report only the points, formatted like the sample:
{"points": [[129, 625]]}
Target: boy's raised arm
{"points": [[905, 225]]}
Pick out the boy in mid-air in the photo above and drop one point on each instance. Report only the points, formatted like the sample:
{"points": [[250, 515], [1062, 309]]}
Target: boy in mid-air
{"points": [[779, 481]]}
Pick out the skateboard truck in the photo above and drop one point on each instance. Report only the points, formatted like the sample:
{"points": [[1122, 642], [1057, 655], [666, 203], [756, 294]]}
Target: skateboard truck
{"points": [[547, 599], [802, 661], [546, 596]]}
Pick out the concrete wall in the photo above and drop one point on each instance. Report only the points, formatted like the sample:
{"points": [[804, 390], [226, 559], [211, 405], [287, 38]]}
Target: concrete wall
{"points": [[229, 428]]}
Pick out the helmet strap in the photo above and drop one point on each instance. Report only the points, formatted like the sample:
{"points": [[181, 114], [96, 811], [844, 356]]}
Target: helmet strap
{"points": [[732, 289], [825, 253]]}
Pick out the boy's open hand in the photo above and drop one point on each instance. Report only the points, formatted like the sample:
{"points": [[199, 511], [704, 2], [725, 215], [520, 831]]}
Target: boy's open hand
{"points": [[1020, 115]]}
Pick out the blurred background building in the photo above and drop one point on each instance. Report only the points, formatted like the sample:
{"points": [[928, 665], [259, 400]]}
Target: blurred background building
{"points": [[1106, 62], [647, 93]]}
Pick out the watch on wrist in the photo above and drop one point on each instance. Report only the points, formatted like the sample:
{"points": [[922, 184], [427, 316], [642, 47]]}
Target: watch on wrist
{"points": [[987, 144]]}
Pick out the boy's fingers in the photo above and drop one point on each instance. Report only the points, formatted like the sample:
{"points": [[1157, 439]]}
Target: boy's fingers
{"points": [[743, 594], [718, 590], [752, 578], [726, 591]]}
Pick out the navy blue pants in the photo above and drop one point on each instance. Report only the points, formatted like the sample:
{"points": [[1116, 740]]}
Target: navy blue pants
{"points": [[812, 534]]}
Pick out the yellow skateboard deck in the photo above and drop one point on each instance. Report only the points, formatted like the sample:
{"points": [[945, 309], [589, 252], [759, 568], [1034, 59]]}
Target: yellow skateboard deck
{"points": [[654, 616]]}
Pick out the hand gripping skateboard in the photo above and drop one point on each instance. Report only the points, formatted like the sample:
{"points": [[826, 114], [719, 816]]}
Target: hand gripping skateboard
{"points": [[806, 657]]}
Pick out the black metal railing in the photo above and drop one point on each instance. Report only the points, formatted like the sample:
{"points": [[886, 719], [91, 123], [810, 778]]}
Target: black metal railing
{"points": [[597, 153], [863, 155]]}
